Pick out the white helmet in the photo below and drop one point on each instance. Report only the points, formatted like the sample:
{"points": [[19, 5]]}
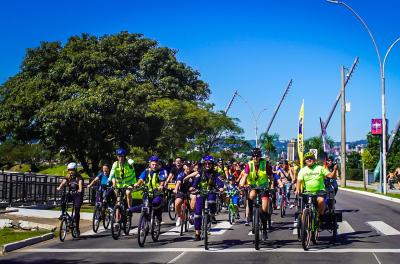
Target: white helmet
{"points": [[72, 166]]}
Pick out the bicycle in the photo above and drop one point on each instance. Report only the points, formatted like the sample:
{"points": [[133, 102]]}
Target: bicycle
{"points": [[206, 216], [68, 221], [185, 213], [257, 227], [331, 218], [148, 222], [308, 221], [232, 209], [101, 213], [283, 201], [121, 218]]}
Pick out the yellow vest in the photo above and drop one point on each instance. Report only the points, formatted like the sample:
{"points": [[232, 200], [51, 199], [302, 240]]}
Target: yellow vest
{"points": [[260, 178]]}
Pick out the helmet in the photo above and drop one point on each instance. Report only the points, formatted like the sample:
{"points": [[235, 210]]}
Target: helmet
{"points": [[220, 160], [154, 158], [208, 158], [72, 166], [330, 157], [309, 155], [120, 152], [256, 152], [231, 178]]}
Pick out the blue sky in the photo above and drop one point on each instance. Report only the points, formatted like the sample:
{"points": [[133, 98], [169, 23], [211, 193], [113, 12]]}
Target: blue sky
{"points": [[254, 47]]}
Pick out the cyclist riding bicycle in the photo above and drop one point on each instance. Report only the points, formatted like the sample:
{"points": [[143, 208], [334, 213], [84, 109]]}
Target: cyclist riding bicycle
{"points": [[182, 188], [176, 169], [104, 193], [154, 177], [123, 175], [332, 167], [311, 179], [206, 179], [75, 183], [258, 173], [222, 169], [232, 188], [284, 182]]}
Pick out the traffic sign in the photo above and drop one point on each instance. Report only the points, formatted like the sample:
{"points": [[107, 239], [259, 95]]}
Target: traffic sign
{"points": [[376, 126]]}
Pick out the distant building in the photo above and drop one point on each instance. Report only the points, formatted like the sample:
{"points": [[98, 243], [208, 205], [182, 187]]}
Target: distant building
{"points": [[292, 150]]}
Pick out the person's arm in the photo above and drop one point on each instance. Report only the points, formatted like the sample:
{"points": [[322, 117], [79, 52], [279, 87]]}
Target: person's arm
{"points": [[177, 186], [63, 182], [141, 180], [80, 185], [191, 175], [93, 182]]}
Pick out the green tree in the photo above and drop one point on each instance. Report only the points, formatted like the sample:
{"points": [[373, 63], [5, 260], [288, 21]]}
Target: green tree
{"points": [[393, 158], [354, 166], [267, 143], [373, 147], [368, 160], [316, 143], [93, 94]]}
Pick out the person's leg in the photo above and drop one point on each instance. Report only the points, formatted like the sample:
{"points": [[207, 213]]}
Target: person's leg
{"points": [[321, 205], [157, 206], [78, 200], [128, 193], [198, 215]]}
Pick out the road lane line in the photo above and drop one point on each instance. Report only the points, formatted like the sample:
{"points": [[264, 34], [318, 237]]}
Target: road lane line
{"points": [[211, 250], [176, 258], [295, 228], [383, 228], [344, 228], [91, 233], [220, 228], [376, 258]]}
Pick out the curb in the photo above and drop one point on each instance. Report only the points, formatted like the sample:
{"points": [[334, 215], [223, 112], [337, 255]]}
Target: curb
{"points": [[26, 242], [380, 196]]}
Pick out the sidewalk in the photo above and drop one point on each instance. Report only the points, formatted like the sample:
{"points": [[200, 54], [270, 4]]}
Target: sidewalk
{"points": [[40, 213], [373, 186]]}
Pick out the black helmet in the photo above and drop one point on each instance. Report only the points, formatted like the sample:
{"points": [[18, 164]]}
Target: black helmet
{"points": [[256, 152]]}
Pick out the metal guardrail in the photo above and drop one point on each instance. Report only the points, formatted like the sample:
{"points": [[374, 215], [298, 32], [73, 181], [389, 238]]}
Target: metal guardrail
{"points": [[31, 188]]}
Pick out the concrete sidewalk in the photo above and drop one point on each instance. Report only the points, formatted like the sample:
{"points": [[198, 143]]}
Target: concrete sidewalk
{"points": [[360, 184], [40, 213]]}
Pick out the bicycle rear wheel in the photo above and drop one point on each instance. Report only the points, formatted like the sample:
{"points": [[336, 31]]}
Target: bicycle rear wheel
{"points": [[142, 232], [305, 229], [63, 229], [256, 220], [116, 224], [96, 219]]}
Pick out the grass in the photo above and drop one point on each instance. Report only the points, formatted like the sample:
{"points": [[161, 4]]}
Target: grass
{"points": [[9, 235], [84, 209], [60, 170], [393, 195], [21, 168]]}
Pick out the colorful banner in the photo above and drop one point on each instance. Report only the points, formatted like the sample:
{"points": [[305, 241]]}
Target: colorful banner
{"points": [[300, 136], [325, 144]]}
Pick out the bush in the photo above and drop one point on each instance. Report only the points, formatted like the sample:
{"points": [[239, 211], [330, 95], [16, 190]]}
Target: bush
{"points": [[354, 174]]}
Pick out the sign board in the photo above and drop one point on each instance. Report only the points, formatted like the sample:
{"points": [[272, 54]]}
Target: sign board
{"points": [[315, 151], [348, 106], [376, 126]]}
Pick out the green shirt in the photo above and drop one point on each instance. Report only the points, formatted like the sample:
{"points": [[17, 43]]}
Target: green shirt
{"points": [[313, 178]]}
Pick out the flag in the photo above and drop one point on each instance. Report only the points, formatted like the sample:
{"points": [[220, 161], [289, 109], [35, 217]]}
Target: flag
{"points": [[327, 148], [300, 136]]}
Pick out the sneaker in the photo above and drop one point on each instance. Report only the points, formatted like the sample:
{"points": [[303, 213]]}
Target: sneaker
{"points": [[78, 232], [291, 206], [178, 221], [213, 220], [246, 223], [197, 237], [278, 208], [61, 216]]}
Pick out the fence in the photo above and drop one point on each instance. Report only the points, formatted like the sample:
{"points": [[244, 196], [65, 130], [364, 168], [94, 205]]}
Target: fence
{"points": [[31, 188]]}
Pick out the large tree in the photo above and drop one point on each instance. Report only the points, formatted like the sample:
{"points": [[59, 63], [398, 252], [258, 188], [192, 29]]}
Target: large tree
{"points": [[316, 143], [94, 94]]}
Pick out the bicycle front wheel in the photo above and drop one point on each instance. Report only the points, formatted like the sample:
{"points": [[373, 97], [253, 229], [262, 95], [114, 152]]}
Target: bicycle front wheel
{"points": [[63, 229], [306, 229], [142, 232], [107, 215], [96, 219], [116, 222], [128, 223], [155, 229], [205, 230], [171, 209], [256, 228]]}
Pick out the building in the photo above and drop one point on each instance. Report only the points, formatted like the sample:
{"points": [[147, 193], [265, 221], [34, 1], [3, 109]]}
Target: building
{"points": [[292, 150]]}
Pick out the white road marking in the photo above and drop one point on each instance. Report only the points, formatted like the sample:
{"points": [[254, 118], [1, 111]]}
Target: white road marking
{"points": [[91, 233], [220, 228], [134, 231], [344, 228], [383, 228], [177, 257], [295, 228], [376, 258], [174, 231], [211, 250]]}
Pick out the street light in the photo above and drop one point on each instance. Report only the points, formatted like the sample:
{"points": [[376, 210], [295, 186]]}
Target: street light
{"points": [[382, 73], [253, 115]]}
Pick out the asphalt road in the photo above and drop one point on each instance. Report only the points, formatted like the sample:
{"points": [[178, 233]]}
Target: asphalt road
{"points": [[369, 233]]}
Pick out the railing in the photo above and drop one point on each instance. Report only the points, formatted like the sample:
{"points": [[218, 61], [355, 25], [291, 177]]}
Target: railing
{"points": [[31, 188]]}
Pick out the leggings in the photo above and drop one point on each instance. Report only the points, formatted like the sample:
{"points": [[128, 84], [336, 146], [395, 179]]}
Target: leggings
{"points": [[77, 198], [200, 202]]}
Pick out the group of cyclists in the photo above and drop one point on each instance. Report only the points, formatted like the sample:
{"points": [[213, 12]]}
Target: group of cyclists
{"points": [[210, 180]]}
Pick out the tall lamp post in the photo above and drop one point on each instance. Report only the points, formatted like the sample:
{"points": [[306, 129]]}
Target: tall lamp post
{"points": [[382, 74], [256, 123]]}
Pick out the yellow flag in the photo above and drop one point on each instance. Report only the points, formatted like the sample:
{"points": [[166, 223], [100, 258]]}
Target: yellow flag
{"points": [[300, 135]]}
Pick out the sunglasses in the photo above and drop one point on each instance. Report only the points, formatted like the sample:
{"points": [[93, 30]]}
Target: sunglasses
{"points": [[208, 163]]}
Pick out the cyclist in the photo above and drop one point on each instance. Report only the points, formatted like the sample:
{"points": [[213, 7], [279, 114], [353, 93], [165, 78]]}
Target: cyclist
{"points": [[257, 173], [104, 194], [312, 178], [284, 182], [221, 169], [154, 177], [332, 167], [176, 169], [75, 183], [206, 179], [233, 188], [181, 188], [123, 175]]}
